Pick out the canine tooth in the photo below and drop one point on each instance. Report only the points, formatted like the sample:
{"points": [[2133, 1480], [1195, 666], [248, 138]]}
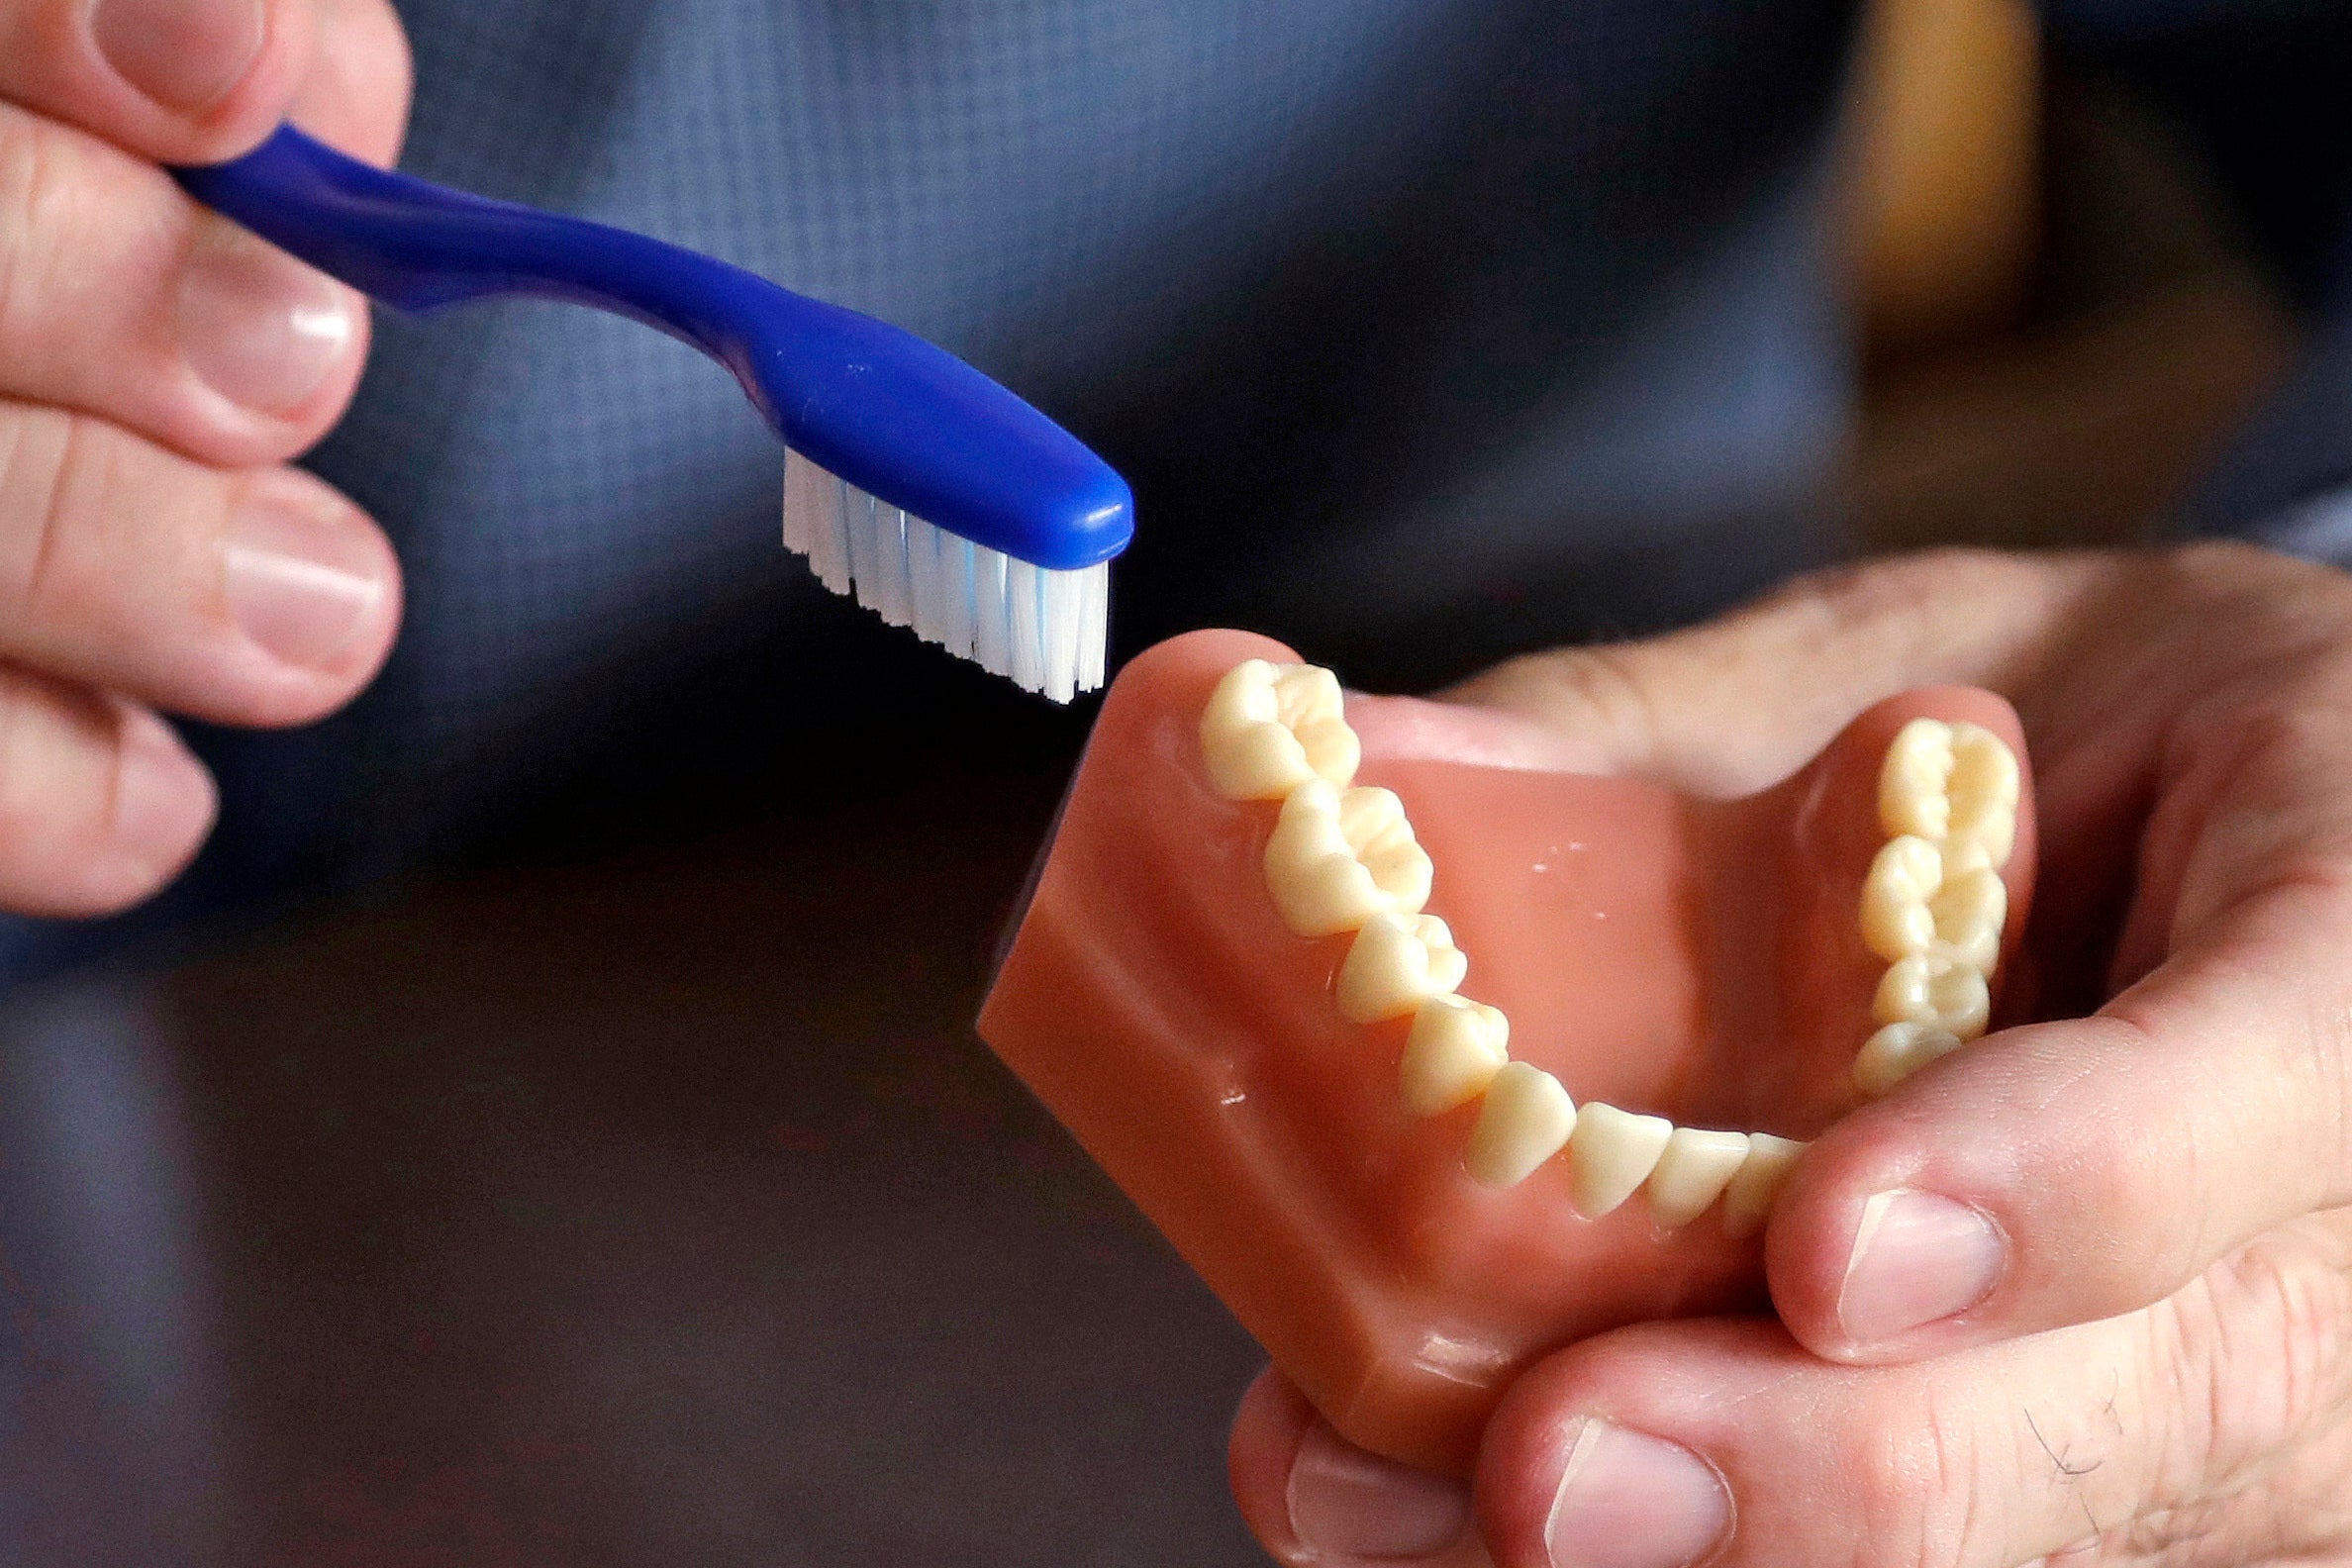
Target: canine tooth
{"points": [[1610, 1155], [1271, 728], [1913, 780], [1938, 989], [1453, 1053], [1970, 911], [1526, 1121], [1691, 1173], [1748, 1197], [1982, 792], [1897, 921], [1337, 858], [1897, 1051], [1394, 964]]}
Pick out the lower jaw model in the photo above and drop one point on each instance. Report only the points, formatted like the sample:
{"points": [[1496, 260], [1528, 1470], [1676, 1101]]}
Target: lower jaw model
{"points": [[1431, 1066]]}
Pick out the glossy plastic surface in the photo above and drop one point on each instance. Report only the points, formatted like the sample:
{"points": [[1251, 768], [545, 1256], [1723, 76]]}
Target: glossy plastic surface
{"points": [[1692, 958], [886, 411]]}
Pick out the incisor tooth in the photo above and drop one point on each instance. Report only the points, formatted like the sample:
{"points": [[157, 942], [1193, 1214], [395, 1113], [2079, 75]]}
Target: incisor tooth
{"points": [[1453, 1053], [1271, 728], [1748, 1199], [1897, 1051], [1983, 791], [1337, 858], [1938, 989], [1895, 918], [1611, 1154], [1970, 911], [1911, 780], [1526, 1121], [1691, 1174], [1394, 964]]}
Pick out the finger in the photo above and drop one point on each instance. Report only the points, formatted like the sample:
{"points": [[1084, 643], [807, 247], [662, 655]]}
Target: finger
{"points": [[1653, 1447], [355, 95], [178, 82], [2069, 1171], [100, 805], [1312, 1497], [259, 598], [122, 298], [1683, 708]]}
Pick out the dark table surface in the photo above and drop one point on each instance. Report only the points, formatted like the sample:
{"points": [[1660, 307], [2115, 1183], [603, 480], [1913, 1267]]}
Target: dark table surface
{"points": [[661, 1210]]}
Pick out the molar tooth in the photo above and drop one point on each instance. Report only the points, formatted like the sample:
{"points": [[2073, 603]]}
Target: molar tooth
{"points": [[1271, 728], [1911, 780], [1691, 1173], [1897, 1051], [1897, 920], [1394, 964], [1935, 988], [1453, 1053], [1748, 1199], [1970, 911], [1526, 1121], [1983, 791], [1611, 1154], [1316, 868]]}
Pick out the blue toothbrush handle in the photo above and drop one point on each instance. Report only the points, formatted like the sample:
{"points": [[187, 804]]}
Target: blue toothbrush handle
{"points": [[886, 411]]}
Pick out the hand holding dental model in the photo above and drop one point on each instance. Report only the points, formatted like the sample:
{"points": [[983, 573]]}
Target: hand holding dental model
{"points": [[1474, 1293]]}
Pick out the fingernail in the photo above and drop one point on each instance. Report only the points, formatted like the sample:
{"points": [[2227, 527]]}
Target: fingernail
{"points": [[1347, 1503], [302, 584], [163, 798], [258, 325], [184, 54], [1917, 1258], [1629, 1499]]}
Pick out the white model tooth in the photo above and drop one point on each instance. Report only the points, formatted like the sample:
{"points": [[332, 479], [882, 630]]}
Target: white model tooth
{"points": [[1911, 780], [1936, 989], [1970, 911], [1896, 918], [1897, 1051], [1748, 1199], [1610, 1155], [1984, 793], [1271, 728], [1691, 1174], [1394, 964], [1374, 821], [1337, 858], [1453, 1053], [1526, 1121]]}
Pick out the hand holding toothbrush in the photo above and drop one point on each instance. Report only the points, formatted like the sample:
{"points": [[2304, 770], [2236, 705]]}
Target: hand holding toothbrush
{"points": [[158, 366]]}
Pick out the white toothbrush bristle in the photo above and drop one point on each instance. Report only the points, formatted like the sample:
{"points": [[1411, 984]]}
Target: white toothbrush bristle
{"points": [[1045, 631]]}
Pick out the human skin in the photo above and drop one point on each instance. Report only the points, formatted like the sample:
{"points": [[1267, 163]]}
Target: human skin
{"points": [[2160, 1368], [1659, 951], [158, 369]]}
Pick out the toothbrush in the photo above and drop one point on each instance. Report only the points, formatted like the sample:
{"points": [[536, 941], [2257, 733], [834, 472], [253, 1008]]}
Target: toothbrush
{"points": [[941, 500]]}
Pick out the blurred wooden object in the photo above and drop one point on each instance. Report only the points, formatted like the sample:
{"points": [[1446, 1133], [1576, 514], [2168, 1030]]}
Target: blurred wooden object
{"points": [[1946, 188], [2060, 323]]}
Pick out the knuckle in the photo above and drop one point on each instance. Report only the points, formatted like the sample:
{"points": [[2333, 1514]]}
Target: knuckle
{"points": [[2260, 1348], [46, 461], [1923, 1487], [38, 198]]}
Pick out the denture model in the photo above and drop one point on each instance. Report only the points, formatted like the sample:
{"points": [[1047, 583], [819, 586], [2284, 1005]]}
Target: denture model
{"points": [[1431, 1066]]}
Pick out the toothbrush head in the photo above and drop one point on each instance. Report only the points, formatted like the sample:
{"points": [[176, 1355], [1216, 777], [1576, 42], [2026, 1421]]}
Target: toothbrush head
{"points": [[1044, 629], [940, 500]]}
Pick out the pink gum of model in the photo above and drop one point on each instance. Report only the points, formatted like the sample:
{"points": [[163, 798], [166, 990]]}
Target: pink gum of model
{"points": [[1692, 959]]}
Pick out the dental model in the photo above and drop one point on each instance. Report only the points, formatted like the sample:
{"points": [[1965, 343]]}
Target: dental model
{"points": [[1431, 1066], [1344, 860]]}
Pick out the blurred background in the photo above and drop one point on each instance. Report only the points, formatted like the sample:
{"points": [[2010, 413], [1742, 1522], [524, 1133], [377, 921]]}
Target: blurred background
{"points": [[629, 1188]]}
